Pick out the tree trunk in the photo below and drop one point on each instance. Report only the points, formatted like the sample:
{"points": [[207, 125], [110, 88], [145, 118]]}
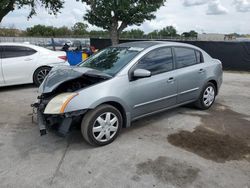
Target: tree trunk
{"points": [[114, 35], [115, 31]]}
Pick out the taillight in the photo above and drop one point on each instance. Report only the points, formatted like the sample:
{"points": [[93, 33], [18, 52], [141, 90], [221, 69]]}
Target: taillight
{"points": [[63, 58]]}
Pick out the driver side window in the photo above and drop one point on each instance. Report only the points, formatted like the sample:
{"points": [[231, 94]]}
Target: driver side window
{"points": [[157, 61]]}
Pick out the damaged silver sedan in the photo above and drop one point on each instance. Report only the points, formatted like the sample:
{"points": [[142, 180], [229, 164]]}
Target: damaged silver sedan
{"points": [[123, 83]]}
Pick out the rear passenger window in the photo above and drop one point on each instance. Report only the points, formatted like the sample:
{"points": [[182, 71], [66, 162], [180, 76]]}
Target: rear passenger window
{"points": [[17, 51], [199, 57], [157, 61], [185, 57]]}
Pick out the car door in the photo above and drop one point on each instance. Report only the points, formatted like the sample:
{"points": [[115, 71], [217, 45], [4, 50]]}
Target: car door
{"points": [[190, 73], [1, 71], [158, 91], [18, 63]]}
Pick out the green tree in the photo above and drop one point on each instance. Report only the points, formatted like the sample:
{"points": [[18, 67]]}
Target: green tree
{"points": [[168, 31], [11, 32], [116, 15], [98, 33], [154, 34], [63, 31], [190, 34], [41, 30], [6, 6], [48, 31], [80, 29], [133, 33], [237, 35]]}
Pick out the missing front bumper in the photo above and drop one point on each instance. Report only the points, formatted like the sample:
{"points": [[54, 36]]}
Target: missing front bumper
{"points": [[37, 114], [41, 123], [62, 123]]}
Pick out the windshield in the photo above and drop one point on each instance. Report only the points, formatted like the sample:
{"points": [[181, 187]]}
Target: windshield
{"points": [[111, 60]]}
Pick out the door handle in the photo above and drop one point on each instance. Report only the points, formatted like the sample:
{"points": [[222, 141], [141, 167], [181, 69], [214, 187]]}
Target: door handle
{"points": [[170, 80], [201, 70], [27, 59]]}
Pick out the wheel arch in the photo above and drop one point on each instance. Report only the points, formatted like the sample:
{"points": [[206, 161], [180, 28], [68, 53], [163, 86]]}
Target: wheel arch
{"points": [[91, 104], [215, 84], [121, 109]]}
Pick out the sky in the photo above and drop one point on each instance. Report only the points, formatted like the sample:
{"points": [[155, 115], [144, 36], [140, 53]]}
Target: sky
{"points": [[204, 16]]}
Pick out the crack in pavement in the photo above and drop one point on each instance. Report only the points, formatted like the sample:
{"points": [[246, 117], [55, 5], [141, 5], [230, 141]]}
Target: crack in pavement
{"points": [[60, 163]]}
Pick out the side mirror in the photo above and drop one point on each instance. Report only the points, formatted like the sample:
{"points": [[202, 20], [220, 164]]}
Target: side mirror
{"points": [[141, 73]]}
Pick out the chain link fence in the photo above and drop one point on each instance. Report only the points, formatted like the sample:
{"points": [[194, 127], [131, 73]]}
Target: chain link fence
{"points": [[51, 43]]}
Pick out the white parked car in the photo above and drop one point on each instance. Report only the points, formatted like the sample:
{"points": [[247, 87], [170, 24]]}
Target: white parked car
{"points": [[22, 63]]}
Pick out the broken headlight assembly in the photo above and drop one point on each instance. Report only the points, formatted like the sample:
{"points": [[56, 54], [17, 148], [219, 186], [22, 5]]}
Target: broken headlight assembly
{"points": [[58, 104]]}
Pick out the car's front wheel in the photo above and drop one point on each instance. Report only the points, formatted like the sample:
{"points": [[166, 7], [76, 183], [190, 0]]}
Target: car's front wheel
{"points": [[101, 125], [207, 97]]}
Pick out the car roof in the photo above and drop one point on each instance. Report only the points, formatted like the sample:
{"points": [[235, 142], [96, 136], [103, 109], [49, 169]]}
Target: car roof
{"points": [[140, 44], [17, 44], [148, 44], [38, 48]]}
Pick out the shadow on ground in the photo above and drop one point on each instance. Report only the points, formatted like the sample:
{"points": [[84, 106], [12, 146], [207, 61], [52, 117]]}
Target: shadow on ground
{"points": [[222, 136], [17, 87]]}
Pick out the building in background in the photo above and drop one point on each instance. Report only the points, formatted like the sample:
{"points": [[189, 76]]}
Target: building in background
{"points": [[211, 37], [216, 37]]}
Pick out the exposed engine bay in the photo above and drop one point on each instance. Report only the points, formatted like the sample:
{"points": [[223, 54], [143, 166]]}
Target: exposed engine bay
{"points": [[73, 85]]}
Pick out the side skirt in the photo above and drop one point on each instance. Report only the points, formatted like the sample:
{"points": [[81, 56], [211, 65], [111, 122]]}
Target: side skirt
{"points": [[162, 110]]}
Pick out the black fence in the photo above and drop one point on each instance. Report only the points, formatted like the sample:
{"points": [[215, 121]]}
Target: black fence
{"points": [[233, 55]]}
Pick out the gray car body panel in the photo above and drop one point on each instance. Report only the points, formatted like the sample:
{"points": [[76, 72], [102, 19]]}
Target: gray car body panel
{"points": [[148, 95]]}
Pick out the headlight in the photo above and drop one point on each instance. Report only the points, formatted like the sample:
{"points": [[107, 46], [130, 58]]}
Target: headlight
{"points": [[58, 104]]}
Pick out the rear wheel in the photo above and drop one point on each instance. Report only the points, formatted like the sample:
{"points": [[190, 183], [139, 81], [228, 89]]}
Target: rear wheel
{"points": [[102, 125], [40, 75], [207, 97]]}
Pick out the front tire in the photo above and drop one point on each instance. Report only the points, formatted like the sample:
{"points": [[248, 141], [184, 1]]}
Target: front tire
{"points": [[40, 74], [207, 97], [102, 125]]}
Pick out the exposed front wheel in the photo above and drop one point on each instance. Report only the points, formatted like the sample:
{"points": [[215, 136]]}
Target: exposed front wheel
{"points": [[40, 75], [207, 97], [102, 125]]}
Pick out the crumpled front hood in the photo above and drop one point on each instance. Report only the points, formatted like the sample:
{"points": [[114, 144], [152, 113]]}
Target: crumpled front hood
{"points": [[59, 75]]}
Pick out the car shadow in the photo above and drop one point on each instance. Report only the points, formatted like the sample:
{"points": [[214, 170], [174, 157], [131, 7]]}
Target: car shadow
{"points": [[146, 121], [75, 136], [74, 140], [17, 87]]}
